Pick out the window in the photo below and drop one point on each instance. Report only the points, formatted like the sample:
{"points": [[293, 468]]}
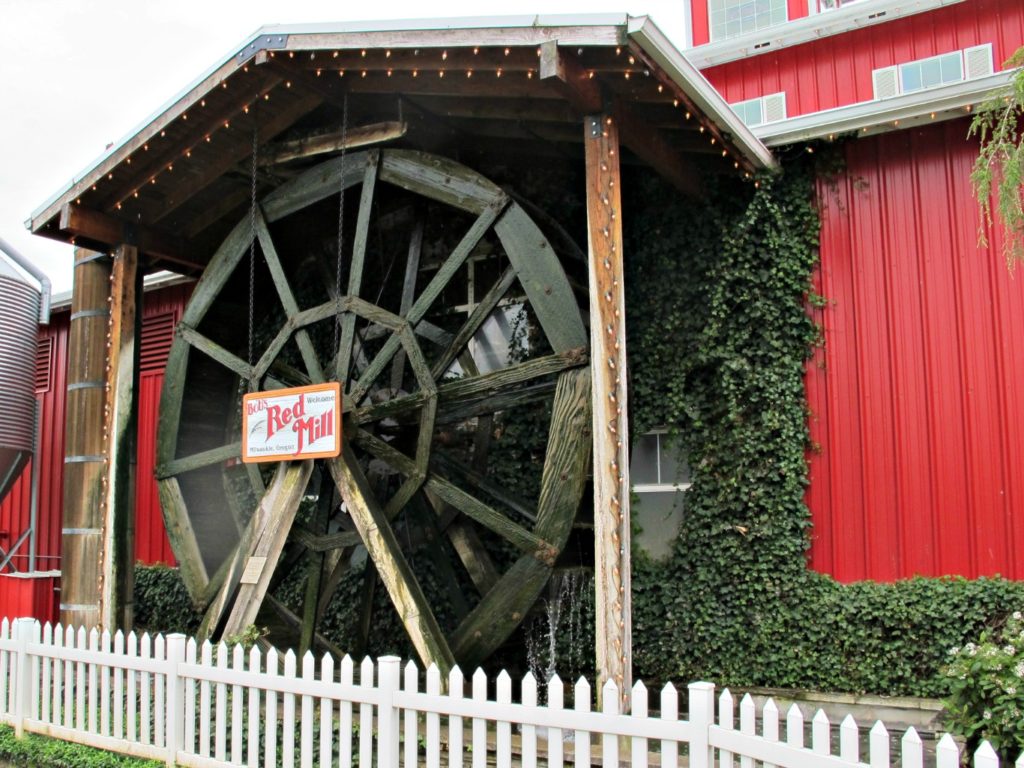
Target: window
{"points": [[660, 476], [730, 18], [933, 72], [764, 109], [831, 5]]}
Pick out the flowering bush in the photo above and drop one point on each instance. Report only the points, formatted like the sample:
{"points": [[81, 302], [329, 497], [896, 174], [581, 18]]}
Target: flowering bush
{"points": [[986, 698]]}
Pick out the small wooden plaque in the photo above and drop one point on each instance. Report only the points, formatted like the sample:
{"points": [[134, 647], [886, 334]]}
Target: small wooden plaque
{"points": [[253, 570]]}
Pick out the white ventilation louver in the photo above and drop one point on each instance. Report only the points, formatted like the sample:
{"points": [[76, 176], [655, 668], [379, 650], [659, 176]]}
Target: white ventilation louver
{"points": [[886, 81], [978, 61], [775, 107]]}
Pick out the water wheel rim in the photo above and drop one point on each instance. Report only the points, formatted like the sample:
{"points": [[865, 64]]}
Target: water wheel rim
{"points": [[546, 288]]}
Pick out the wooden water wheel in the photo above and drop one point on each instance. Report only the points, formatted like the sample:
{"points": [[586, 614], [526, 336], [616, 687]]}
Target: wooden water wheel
{"points": [[423, 393]]}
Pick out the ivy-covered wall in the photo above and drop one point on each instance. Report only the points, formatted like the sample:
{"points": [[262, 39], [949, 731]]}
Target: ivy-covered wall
{"points": [[719, 334]]}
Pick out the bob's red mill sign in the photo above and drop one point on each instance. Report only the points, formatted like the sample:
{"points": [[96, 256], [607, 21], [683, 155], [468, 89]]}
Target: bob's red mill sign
{"points": [[290, 424]]}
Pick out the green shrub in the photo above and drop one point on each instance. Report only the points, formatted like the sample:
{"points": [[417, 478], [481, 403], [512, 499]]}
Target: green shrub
{"points": [[986, 699], [36, 751]]}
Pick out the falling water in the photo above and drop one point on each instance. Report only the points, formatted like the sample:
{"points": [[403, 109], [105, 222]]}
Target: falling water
{"points": [[557, 638]]}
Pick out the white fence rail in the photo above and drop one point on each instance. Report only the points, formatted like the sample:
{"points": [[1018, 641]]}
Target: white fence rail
{"points": [[211, 706]]}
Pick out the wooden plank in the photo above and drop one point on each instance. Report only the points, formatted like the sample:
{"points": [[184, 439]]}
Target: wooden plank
{"points": [[324, 542], [199, 460], [182, 537], [412, 271], [469, 388], [610, 422], [480, 313], [214, 351], [542, 278], [333, 141], [316, 184], [117, 563], [343, 358], [279, 504], [475, 479], [440, 179], [564, 75], [106, 230], [287, 298], [315, 566], [217, 273], [395, 572]]}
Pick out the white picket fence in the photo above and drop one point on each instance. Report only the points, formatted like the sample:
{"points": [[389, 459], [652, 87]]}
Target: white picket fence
{"points": [[167, 699]]}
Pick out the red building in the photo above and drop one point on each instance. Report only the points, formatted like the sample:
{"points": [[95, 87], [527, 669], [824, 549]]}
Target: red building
{"points": [[917, 394]]}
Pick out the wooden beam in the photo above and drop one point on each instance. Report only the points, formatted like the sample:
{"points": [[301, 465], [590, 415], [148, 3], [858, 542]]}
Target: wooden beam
{"points": [[117, 555], [610, 422], [565, 75], [105, 230], [333, 141]]}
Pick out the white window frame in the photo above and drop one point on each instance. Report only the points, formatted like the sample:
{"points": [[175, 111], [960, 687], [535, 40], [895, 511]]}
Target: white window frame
{"points": [[823, 8], [719, 38], [898, 69], [660, 487], [763, 100]]}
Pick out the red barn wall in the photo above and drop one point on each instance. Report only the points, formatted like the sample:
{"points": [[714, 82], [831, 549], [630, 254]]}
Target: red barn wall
{"points": [[836, 71], [918, 394]]}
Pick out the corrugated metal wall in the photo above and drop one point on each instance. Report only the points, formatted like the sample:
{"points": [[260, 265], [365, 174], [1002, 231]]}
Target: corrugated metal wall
{"points": [[836, 71], [917, 398]]}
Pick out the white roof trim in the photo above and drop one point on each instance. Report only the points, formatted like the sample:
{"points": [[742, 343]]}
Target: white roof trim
{"points": [[646, 33], [153, 282], [869, 117], [809, 28]]}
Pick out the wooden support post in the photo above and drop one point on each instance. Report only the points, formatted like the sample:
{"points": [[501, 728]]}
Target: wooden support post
{"points": [[121, 411], [611, 426], [85, 454]]}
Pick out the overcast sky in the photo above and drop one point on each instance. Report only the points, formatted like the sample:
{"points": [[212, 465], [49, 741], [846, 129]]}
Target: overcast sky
{"points": [[76, 75]]}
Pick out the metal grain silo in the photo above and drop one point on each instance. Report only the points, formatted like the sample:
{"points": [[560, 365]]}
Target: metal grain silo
{"points": [[19, 321]]}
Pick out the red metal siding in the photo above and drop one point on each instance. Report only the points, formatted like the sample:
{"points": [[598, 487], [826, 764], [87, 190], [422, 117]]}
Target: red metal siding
{"points": [[916, 395], [836, 71], [151, 544]]}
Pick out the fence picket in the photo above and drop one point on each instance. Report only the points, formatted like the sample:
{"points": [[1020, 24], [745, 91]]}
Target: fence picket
{"points": [[433, 720], [220, 708], [528, 696], [237, 700], [770, 724], [849, 740], [748, 725], [92, 693], [911, 750], [947, 753], [270, 750], [638, 708], [345, 717], [132, 651], [288, 715], [159, 693], [609, 742], [253, 741], [985, 756], [206, 659], [411, 684], [326, 714], [366, 715], [795, 727], [670, 712], [44, 691], [34, 670], [581, 739], [821, 733], [105, 674], [503, 736], [556, 701], [5, 664], [727, 721], [306, 716], [479, 724], [80, 681], [456, 689], [190, 700], [145, 691], [878, 746]]}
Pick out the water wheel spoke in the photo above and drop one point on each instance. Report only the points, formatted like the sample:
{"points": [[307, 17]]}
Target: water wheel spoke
{"points": [[355, 273], [412, 269], [386, 553], [475, 479], [199, 460], [476, 319], [467, 545], [271, 353], [215, 351], [287, 297]]}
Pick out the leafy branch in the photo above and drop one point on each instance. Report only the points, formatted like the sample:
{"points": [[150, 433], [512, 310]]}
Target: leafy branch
{"points": [[999, 168]]}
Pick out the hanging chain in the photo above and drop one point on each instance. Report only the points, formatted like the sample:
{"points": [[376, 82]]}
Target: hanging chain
{"points": [[341, 213], [252, 232]]}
